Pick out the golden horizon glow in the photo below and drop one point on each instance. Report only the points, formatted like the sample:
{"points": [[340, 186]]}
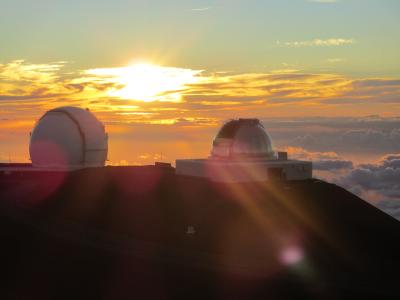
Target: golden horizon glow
{"points": [[148, 82]]}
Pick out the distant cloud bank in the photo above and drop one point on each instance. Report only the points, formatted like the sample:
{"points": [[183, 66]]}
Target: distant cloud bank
{"points": [[378, 182], [381, 178]]}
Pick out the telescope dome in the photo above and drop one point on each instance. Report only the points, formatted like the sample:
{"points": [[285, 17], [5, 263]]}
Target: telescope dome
{"points": [[68, 137], [241, 139]]}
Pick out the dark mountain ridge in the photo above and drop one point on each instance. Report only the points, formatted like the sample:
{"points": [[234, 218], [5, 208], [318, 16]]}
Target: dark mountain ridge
{"points": [[144, 232]]}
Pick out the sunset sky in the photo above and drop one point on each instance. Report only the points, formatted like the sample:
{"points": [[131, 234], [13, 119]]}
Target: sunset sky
{"points": [[322, 75]]}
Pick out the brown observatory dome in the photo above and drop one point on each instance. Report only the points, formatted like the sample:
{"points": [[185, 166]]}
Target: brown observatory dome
{"points": [[241, 139]]}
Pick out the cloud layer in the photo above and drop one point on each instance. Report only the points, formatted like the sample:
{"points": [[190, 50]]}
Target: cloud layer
{"points": [[197, 95], [382, 178]]}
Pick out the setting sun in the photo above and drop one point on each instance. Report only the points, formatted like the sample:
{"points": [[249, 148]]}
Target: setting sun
{"points": [[147, 82]]}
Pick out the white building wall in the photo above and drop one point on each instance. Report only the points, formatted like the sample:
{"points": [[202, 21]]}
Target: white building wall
{"points": [[242, 171], [191, 167]]}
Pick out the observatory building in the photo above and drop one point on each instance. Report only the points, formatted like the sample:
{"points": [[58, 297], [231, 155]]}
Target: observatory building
{"points": [[242, 151], [68, 138]]}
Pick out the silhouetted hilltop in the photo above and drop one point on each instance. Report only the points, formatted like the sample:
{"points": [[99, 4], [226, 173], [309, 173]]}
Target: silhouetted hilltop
{"points": [[144, 232]]}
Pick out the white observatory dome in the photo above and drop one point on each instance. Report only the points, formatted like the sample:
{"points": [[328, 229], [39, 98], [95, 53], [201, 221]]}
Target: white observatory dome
{"points": [[242, 139], [68, 137]]}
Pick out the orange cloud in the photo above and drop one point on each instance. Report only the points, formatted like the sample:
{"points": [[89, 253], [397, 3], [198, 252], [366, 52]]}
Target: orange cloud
{"points": [[27, 90]]}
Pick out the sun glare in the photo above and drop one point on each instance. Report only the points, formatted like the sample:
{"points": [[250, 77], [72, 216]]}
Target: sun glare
{"points": [[147, 82]]}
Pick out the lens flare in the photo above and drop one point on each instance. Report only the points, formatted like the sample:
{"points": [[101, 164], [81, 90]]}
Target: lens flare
{"points": [[291, 255]]}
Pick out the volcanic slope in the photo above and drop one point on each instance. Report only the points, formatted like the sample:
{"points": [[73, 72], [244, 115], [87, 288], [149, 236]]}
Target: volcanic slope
{"points": [[144, 232]]}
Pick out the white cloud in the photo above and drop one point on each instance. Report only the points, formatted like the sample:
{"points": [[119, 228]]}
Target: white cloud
{"points": [[335, 60], [324, 1], [318, 43], [201, 8]]}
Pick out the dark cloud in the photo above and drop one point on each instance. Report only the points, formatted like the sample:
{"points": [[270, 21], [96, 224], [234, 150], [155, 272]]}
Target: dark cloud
{"points": [[221, 98], [376, 82], [75, 86], [364, 91], [289, 77], [378, 183], [343, 100], [369, 139], [276, 100], [327, 165], [382, 178], [28, 97], [391, 207], [391, 98], [367, 135], [322, 161]]}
